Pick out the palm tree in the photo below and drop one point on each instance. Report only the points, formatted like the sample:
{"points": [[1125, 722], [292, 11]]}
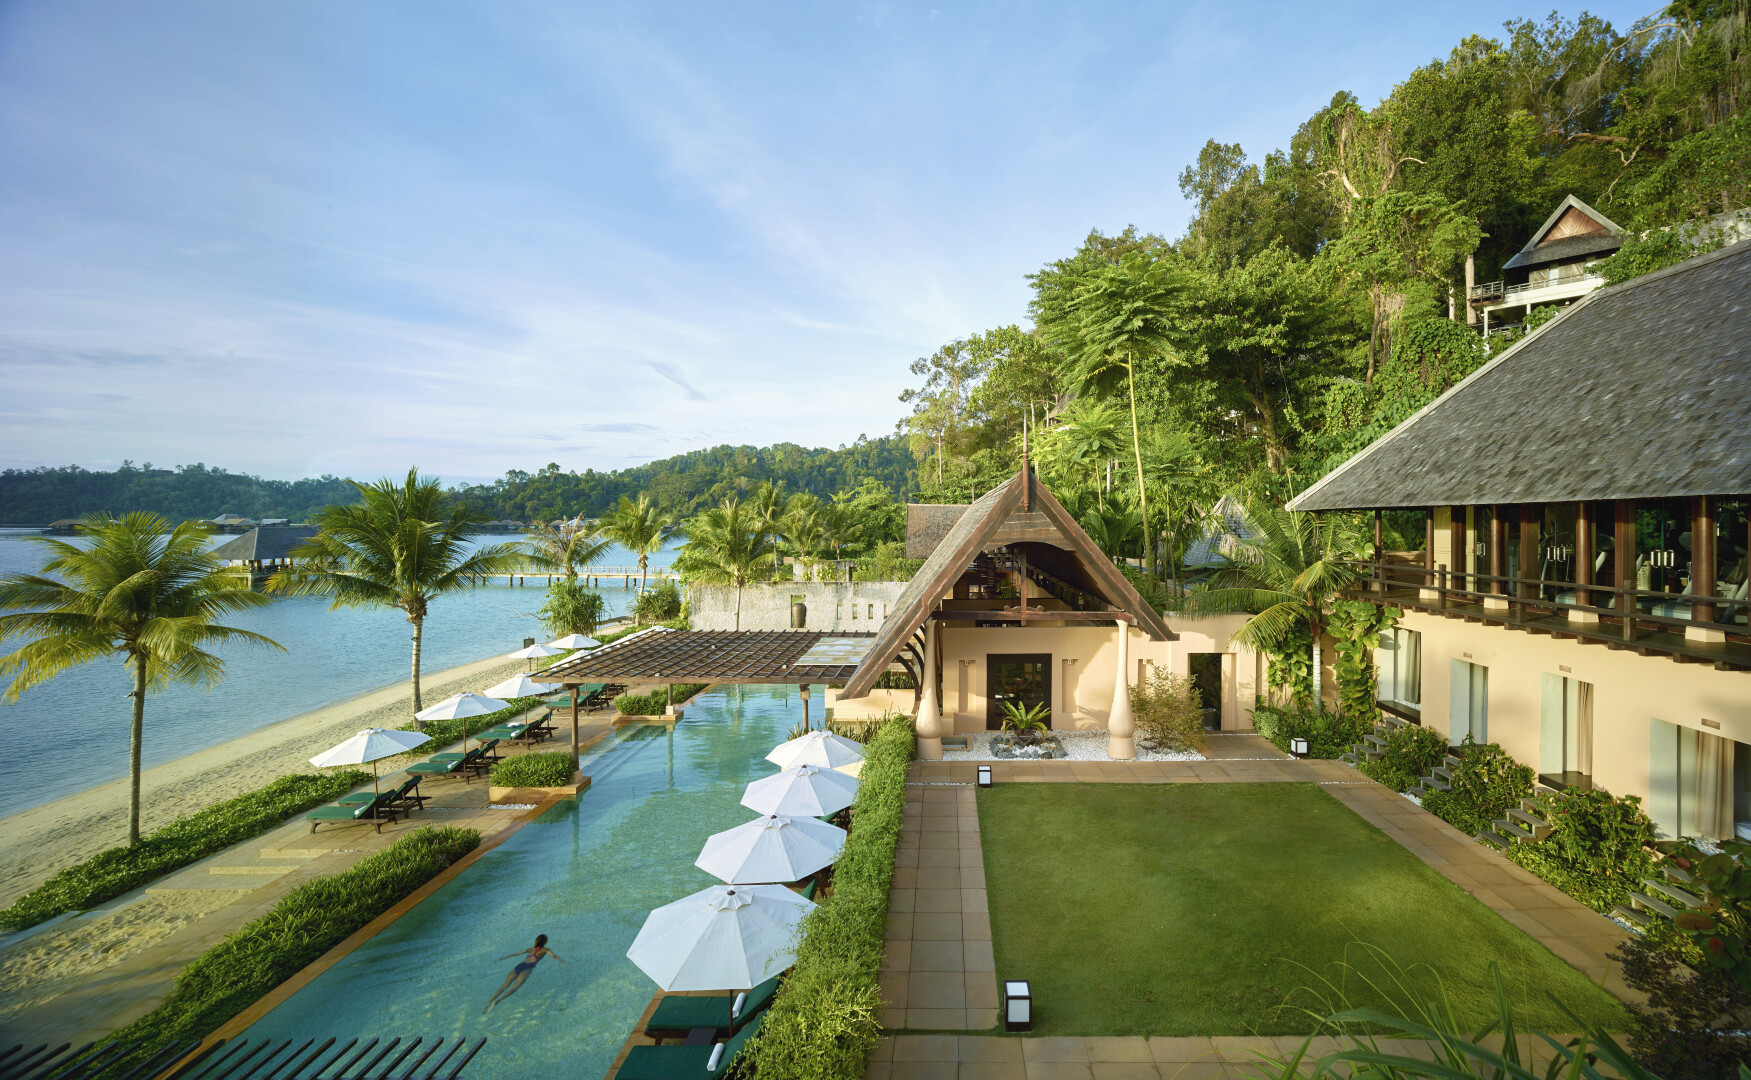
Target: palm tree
{"points": [[803, 528], [1284, 575], [1123, 312], [725, 546], [565, 548], [639, 527], [142, 589], [400, 546], [768, 506], [839, 526]]}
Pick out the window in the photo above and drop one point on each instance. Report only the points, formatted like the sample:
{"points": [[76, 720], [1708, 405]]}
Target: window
{"points": [[1400, 659], [872, 611], [1470, 700], [1691, 789], [1565, 742]]}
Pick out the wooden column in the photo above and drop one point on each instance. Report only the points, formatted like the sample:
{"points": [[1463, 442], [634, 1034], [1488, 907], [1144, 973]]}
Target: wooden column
{"points": [[1379, 552], [1702, 556], [1498, 549], [1429, 546], [1583, 553], [1531, 517], [1623, 537], [1458, 548]]}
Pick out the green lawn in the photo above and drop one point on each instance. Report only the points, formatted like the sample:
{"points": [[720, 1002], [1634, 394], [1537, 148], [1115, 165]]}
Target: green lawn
{"points": [[1200, 909]]}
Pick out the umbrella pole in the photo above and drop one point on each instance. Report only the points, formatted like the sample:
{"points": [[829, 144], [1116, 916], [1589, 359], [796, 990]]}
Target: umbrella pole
{"points": [[374, 790]]}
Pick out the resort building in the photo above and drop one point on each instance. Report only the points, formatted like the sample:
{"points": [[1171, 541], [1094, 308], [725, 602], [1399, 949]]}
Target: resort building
{"points": [[1554, 267], [264, 550], [1584, 508]]}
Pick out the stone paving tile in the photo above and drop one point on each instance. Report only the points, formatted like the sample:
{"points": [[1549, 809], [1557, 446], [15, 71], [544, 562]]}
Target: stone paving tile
{"points": [[1165, 1048], [988, 1048], [1132, 1048]]}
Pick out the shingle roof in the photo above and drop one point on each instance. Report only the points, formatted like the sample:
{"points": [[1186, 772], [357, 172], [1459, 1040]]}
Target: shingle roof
{"points": [[927, 524], [1569, 247], [1641, 390], [260, 545]]}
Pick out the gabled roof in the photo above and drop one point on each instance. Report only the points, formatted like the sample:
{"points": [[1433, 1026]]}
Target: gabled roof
{"points": [[260, 545], [1573, 229], [1641, 390], [998, 518]]}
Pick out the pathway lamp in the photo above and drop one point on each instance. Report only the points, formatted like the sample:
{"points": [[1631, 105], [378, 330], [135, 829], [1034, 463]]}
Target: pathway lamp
{"points": [[1018, 1005], [1298, 747], [984, 776]]}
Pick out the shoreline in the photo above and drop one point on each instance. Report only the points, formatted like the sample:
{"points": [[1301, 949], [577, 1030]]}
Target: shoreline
{"points": [[38, 841]]}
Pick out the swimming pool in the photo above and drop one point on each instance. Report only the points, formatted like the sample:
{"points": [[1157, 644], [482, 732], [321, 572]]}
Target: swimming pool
{"points": [[586, 874]]}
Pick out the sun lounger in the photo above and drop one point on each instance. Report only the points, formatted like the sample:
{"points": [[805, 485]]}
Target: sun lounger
{"points": [[677, 1015], [407, 797], [376, 810], [450, 767], [686, 1062]]}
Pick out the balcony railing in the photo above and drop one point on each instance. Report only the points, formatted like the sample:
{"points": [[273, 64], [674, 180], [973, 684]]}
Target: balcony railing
{"points": [[1609, 614], [1491, 290]]}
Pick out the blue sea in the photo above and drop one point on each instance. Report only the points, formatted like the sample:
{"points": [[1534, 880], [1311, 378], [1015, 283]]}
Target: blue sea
{"points": [[72, 732]]}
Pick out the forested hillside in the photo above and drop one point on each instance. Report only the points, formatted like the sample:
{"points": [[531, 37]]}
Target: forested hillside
{"points": [[683, 483], [1317, 297]]}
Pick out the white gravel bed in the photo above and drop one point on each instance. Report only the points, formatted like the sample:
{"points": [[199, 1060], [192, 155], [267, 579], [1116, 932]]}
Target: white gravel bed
{"points": [[1081, 746], [1412, 798]]}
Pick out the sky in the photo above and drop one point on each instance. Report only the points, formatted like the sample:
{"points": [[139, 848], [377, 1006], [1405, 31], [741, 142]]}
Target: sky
{"points": [[349, 236]]}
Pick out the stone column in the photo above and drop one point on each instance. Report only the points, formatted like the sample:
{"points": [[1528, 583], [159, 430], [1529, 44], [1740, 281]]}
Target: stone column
{"points": [[929, 722], [1120, 724]]}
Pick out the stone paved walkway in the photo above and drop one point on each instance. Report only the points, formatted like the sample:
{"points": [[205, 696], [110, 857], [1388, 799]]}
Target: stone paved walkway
{"points": [[939, 904]]}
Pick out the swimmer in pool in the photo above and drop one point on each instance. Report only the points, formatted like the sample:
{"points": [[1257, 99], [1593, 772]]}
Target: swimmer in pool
{"points": [[514, 981]]}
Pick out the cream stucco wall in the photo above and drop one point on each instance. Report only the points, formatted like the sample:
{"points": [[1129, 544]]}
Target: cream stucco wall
{"points": [[1629, 691], [1084, 669]]}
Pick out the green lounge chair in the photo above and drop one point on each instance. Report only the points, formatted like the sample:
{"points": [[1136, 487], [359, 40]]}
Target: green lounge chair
{"points": [[407, 797], [376, 811], [677, 1015], [437, 768], [686, 1062]]}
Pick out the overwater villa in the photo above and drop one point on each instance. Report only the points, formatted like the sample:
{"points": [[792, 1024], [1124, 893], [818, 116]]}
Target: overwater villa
{"points": [[1579, 596]]}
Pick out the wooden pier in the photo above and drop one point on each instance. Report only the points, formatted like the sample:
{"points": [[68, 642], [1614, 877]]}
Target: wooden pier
{"points": [[593, 576]]}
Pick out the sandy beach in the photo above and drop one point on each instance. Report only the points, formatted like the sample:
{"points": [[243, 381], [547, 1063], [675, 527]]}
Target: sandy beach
{"points": [[37, 842]]}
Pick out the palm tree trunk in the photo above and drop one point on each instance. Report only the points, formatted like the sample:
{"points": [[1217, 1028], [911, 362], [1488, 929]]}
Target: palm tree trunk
{"points": [[418, 628], [1317, 703], [136, 735], [1137, 448]]}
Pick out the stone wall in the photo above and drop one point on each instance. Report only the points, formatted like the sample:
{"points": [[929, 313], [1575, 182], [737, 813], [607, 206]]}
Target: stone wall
{"points": [[842, 606]]}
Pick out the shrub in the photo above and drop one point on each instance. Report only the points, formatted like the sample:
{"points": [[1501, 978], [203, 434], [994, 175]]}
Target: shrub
{"points": [[552, 769], [1410, 752], [1598, 850], [109, 874], [1168, 710], [1689, 1028], [571, 607], [1485, 784], [653, 704], [659, 603], [826, 1016], [678, 623], [308, 921], [1327, 734], [445, 732]]}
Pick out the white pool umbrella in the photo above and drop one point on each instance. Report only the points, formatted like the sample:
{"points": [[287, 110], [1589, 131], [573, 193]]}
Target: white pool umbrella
{"points": [[727, 937], [574, 641], [519, 685], [801, 791], [821, 748], [370, 745], [534, 652], [773, 847], [460, 707]]}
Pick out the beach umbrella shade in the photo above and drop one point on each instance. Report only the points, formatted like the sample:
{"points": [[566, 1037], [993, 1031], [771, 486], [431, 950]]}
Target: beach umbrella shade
{"points": [[821, 748], [773, 847], [460, 707], [371, 744], [727, 937], [801, 791], [574, 641], [533, 653], [519, 685]]}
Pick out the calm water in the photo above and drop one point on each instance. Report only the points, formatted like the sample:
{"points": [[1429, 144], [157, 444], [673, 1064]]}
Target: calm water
{"points": [[586, 874], [330, 656]]}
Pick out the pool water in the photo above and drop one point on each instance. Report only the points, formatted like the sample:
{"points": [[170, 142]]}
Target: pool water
{"points": [[586, 873]]}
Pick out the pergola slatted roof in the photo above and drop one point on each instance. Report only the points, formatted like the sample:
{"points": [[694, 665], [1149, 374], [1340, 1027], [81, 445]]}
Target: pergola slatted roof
{"points": [[729, 656]]}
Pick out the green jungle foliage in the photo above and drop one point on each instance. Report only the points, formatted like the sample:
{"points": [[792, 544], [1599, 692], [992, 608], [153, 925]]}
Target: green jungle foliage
{"points": [[1410, 752], [551, 769], [39, 496], [659, 603], [1355, 627], [652, 704], [1690, 1026], [1169, 711], [887, 562], [1485, 784], [629, 628], [309, 920], [826, 1017], [1599, 851], [111, 873], [571, 607], [1327, 734]]}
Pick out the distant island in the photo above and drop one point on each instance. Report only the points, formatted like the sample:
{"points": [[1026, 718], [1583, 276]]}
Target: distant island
{"points": [[684, 482]]}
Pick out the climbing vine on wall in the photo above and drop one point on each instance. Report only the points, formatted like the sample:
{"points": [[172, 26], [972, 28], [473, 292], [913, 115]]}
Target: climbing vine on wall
{"points": [[1355, 627]]}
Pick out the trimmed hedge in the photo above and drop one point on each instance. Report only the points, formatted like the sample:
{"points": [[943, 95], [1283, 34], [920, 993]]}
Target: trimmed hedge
{"points": [[109, 874], [552, 769], [1410, 753], [1327, 734], [826, 1017], [653, 704], [308, 921]]}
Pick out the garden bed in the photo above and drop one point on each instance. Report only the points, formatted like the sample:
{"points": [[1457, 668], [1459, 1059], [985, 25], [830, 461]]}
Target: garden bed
{"points": [[1078, 746]]}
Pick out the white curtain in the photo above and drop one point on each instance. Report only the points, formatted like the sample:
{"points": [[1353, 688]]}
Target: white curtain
{"points": [[1410, 666], [1584, 731], [1713, 791]]}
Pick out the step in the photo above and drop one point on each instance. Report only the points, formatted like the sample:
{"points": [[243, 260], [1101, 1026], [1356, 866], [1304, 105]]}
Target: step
{"points": [[1631, 915], [1493, 839], [1445, 772], [1349, 759], [1391, 721], [1513, 832], [1451, 760], [1436, 785], [1539, 827], [1374, 740], [1683, 877], [1419, 791], [1655, 884], [1529, 805], [1644, 902]]}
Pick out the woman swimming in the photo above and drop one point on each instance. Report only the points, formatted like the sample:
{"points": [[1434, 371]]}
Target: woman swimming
{"points": [[514, 981]]}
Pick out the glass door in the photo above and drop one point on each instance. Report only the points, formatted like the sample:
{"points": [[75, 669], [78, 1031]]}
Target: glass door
{"points": [[1016, 678]]}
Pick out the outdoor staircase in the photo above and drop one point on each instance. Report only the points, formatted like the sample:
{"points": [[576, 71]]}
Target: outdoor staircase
{"points": [[1373, 744], [1521, 826], [1661, 896], [1439, 779]]}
